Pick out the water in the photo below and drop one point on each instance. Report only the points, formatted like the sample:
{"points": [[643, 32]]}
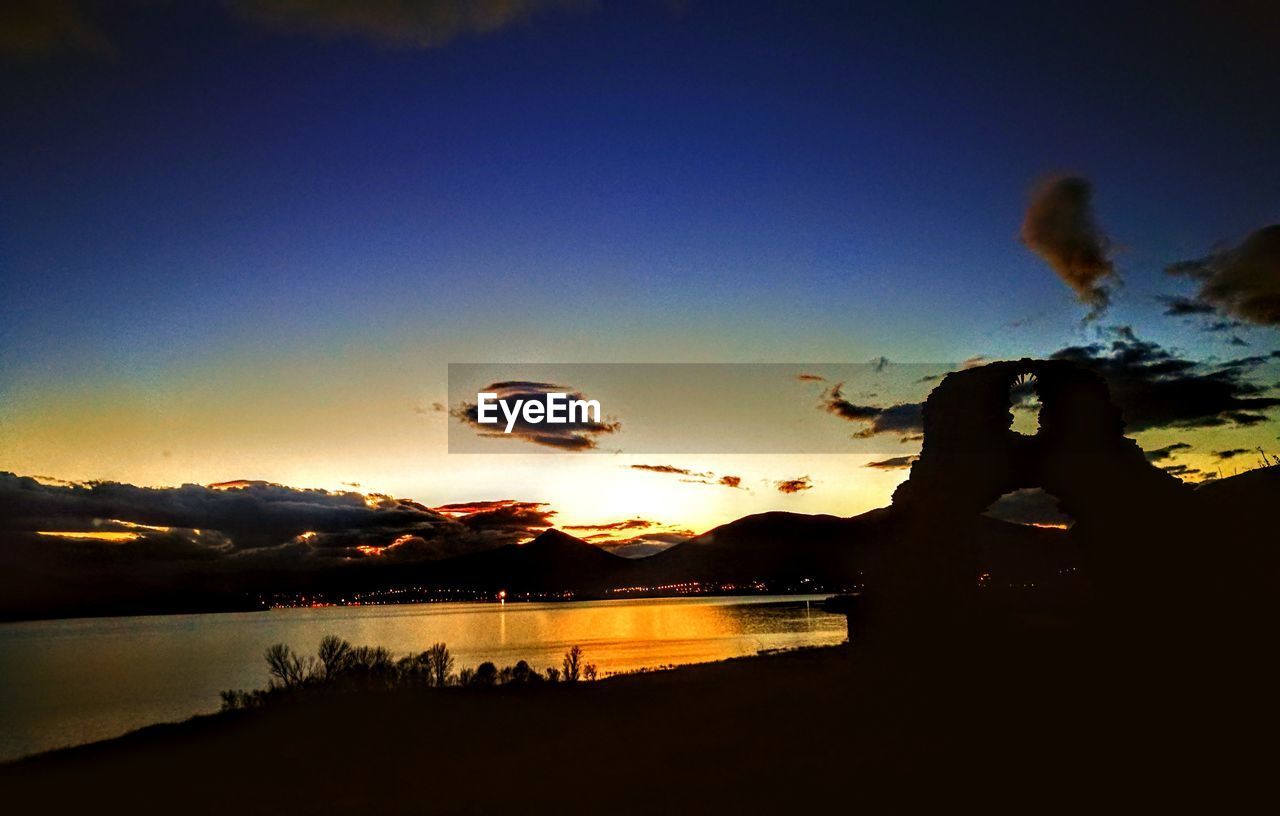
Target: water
{"points": [[72, 681]]}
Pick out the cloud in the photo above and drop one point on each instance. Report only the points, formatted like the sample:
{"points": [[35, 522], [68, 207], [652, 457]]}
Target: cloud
{"points": [[1231, 454], [246, 519], [1060, 227], [37, 29], [896, 463], [1183, 471], [1242, 282], [628, 524], [903, 418], [106, 546], [1176, 306], [1029, 506], [671, 469], [395, 23], [796, 485], [1167, 452], [1155, 388], [579, 435], [693, 476], [643, 546]]}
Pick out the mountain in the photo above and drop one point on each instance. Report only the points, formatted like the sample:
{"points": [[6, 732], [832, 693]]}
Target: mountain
{"points": [[552, 562], [785, 547], [1251, 493], [778, 547]]}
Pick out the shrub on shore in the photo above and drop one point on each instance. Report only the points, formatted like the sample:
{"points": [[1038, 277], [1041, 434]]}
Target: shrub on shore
{"points": [[338, 666]]}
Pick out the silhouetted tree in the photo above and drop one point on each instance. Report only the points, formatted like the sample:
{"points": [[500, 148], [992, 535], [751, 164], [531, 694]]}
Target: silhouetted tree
{"points": [[571, 666], [553, 674], [439, 665], [486, 675], [522, 674], [334, 653], [287, 669]]}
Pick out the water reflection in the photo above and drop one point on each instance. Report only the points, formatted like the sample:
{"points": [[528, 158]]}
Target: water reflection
{"points": [[64, 682]]}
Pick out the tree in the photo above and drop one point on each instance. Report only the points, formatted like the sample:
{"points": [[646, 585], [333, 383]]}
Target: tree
{"points": [[334, 653], [486, 675], [522, 674], [439, 665], [571, 666], [286, 668]]}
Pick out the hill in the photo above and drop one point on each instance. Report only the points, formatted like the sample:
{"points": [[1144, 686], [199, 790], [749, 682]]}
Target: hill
{"points": [[553, 561]]}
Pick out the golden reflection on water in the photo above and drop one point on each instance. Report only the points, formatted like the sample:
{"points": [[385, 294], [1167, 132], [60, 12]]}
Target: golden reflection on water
{"points": [[64, 682]]}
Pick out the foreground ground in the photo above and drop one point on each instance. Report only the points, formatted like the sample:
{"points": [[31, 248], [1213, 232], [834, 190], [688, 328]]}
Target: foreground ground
{"points": [[1033, 723]]}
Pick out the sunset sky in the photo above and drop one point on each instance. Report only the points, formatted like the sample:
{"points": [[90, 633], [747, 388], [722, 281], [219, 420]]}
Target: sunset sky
{"points": [[244, 240]]}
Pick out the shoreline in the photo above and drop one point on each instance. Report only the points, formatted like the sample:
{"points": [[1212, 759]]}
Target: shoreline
{"points": [[1042, 715]]}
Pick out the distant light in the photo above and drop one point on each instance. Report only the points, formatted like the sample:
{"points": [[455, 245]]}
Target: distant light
{"points": [[502, 594]]}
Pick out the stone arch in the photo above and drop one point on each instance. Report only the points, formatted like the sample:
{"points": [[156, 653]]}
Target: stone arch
{"points": [[971, 455], [1130, 517]]}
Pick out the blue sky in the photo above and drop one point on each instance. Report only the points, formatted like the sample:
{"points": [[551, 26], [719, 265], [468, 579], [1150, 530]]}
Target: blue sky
{"points": [[216, 198]]}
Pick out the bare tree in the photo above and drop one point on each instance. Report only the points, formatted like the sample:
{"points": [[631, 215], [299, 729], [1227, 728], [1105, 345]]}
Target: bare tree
{"points": [[334, 653], [571, 666], [286, 668], [439, 665]]}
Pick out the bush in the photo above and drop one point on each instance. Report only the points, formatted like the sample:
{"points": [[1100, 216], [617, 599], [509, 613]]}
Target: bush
{"points": [[339, 666]]}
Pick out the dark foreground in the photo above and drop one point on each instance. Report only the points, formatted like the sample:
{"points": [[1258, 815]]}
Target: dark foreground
{"points": [[1033, 724]]}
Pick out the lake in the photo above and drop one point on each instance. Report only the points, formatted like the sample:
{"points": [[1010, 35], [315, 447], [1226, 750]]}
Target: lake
{"points": [[66, 682]]}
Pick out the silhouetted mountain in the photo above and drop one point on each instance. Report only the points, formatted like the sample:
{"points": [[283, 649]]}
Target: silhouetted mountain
{"points": [[767, 546], [1252, 491], [785, 547], [552, 562]]}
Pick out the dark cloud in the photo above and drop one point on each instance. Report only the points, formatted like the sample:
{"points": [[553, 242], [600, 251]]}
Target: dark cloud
{"points": [[796, 485], [1167, 452], [106, 546], [1181, 306], [643, 546], [509, 515], [567, 436], [1029, 506], [692, 476], [896, 463], [1060, 227], [628, 524], [1182, 471], [1232, 453], [395, 23], [1155, 388], [903, 418], [245, 519], [1242, 282], [671, 469], [1222, 325]]}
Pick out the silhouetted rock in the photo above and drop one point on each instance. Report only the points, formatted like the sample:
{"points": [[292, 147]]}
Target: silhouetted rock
{"points": [[1141, 531]]}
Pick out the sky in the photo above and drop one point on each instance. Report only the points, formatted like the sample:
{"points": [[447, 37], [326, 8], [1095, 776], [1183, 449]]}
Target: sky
{"points": [[244, 240]]}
